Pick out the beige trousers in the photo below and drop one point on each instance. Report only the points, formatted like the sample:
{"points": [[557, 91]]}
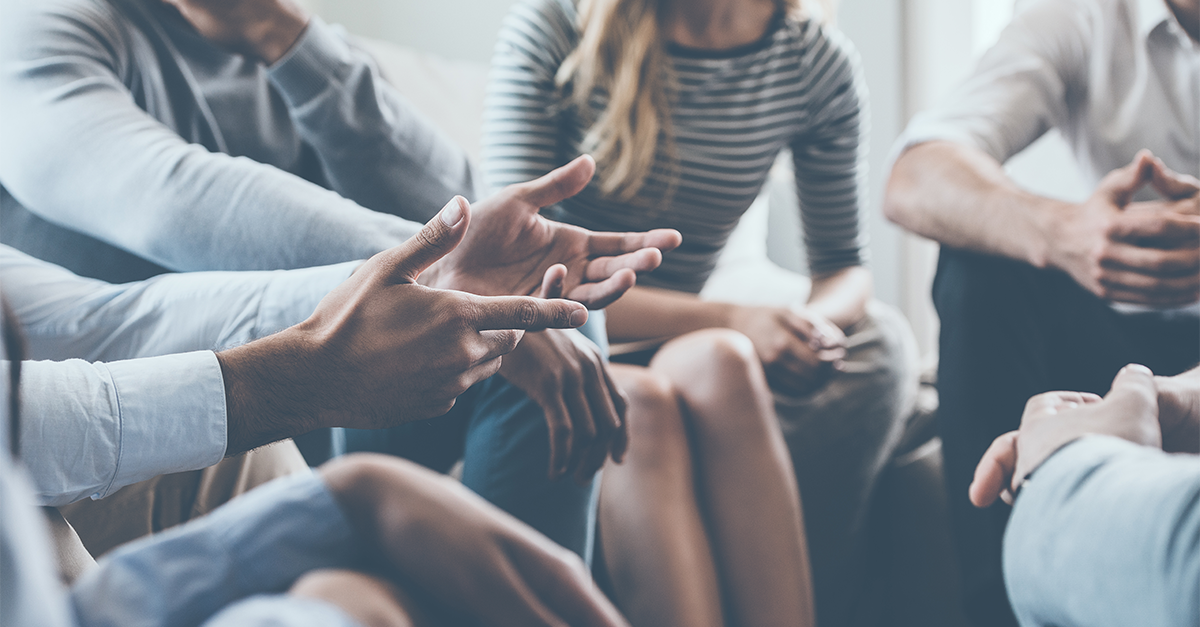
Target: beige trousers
{"points": [[93, 528]]}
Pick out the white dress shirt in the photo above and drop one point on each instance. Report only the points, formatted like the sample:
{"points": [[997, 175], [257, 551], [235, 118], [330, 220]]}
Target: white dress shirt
{"points": [[154, 400], [1114, 76]]}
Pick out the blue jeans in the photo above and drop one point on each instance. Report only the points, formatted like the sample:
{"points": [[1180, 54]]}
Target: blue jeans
{"points": [[502, 438]]}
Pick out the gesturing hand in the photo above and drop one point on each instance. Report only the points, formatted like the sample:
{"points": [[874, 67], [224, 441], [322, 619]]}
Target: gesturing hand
{"points": [[263, 29], [797, 346], [462, 551], [511, 247], [1054, 419], [380, 349], [565, 374], [1142, 253]]}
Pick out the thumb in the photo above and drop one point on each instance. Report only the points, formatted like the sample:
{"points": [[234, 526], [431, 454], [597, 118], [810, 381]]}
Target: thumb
{"points": [[435, 240], [1134, 384], [1121, 184], [1172, 185]]}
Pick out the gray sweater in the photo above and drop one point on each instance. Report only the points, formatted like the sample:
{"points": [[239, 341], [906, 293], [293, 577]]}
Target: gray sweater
{"points": [[129, 145]]}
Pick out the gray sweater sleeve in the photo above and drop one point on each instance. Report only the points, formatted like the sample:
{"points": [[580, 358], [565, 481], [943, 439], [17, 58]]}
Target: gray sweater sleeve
{"points": [[1107, 533], [79, 152]]}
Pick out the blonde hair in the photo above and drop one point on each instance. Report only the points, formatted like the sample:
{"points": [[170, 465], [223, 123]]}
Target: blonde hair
{"points": [[621, 51]]}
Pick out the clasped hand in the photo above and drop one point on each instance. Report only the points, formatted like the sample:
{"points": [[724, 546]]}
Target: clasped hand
{"points": [[1163, 412]]}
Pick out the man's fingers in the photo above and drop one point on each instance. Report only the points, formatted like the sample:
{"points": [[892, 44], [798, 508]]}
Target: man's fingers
{"points": [[616, 403], [1121, 184], [553, 281], [602, 294], [995, 470], [643, 260], [608, 244], [499, 342], [559, 184], [435, 240], [1172, 184], [1181, 286], [558, 419], [528, 313], [1157, 229], [1154, 262]]}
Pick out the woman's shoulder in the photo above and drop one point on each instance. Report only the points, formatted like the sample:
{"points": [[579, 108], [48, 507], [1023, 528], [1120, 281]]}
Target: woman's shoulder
{"points": [[807, 38]]}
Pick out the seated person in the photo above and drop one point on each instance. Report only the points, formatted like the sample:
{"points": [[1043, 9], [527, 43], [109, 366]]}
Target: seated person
{"points": [[205, 135], [1038, 294], [367, 541], [1105, 523], [686, 107]]}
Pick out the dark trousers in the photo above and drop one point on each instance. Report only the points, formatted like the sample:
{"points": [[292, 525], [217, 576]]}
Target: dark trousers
{"points": [[1011, 331]]}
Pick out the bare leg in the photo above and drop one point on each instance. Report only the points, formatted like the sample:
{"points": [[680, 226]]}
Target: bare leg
{"points": [[655, 544], [371, 601], [749, 494]]}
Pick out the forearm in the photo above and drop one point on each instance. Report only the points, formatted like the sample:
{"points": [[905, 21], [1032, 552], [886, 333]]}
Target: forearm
{"points": [[645, 313], [961, 197], [841, 297], [66, 316], [1096, 538]]}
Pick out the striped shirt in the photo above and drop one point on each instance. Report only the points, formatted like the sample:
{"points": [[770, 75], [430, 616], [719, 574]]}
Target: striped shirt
{"points": [[732, 112]]}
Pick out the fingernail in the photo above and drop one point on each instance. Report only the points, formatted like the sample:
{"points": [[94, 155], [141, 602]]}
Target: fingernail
{"points": [[1139, 368], [452, 213], [578, 317]]}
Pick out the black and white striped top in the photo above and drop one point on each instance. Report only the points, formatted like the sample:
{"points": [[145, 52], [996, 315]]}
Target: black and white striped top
{"points": [[732, 111]]}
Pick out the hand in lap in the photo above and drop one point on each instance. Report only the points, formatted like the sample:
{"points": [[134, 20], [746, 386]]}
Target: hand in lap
{"points": [[1054, 419], [511, 246]]}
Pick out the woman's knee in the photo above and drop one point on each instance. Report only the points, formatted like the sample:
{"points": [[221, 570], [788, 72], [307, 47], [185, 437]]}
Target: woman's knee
{"points": [[655, 421], [701, 359]]}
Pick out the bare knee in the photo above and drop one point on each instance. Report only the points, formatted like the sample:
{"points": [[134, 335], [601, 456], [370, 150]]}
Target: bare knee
{"points": [[705, 357], [656, 431]]}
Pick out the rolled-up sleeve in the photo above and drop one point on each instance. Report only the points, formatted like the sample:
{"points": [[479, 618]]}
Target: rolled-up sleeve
{"points": [[89, 429], [1020, 89], [1107, 533]]}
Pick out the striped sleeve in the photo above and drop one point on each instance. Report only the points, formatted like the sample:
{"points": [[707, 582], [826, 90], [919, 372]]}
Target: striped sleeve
{"points": [[830, 157], [522, 138]]}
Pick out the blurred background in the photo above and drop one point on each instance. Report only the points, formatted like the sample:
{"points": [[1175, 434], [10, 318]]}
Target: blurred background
{"points": [[913, 53]]}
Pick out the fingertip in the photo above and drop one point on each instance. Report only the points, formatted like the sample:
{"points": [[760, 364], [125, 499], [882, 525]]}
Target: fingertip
{"points": [[454, 211], [1137, 369], [578, 317]]}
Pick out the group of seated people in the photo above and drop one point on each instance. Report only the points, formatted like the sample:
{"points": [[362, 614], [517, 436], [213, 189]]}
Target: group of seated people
{"points": [[252, 320]]}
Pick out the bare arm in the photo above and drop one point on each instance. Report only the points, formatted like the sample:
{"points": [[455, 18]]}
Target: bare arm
{"points": [[960, 196]]}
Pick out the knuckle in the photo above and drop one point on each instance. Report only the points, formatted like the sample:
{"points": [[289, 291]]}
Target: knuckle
{"points": [[526, 313]]}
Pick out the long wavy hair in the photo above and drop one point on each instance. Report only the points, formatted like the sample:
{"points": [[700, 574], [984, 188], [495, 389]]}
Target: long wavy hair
{"points": [[621, 52]]}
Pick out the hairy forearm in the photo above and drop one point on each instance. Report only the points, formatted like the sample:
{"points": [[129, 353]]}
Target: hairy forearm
{"points": [[269, 390], [649, 313], [841, 297], [962, 198]]}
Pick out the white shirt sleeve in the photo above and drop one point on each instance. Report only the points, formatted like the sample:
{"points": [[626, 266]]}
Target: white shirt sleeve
{"points": [[66, 316], [89, 429], [1022, 87]]}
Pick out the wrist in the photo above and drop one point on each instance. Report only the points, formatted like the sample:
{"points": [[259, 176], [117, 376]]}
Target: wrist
{"points": [[1055, 222], [268, 390]]}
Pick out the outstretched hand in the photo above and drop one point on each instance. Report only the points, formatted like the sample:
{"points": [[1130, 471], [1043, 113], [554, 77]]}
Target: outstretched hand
{"points": [[512, 247], [1054, 419], [380, 349]]}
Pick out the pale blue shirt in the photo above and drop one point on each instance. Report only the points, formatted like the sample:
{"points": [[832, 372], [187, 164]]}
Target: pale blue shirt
{"points": [[140, 393], [1106, 533]]}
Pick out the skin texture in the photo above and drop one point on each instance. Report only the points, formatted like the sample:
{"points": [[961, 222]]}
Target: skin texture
{"points": [[380, 349], [1163, 412], [454, 551], [1136, 252]]}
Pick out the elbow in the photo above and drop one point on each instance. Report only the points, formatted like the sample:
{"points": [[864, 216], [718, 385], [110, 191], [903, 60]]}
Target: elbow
{"points": [[901, 199]]}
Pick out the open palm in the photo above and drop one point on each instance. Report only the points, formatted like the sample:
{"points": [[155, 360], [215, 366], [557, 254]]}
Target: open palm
{"points": [[510, 246]]}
